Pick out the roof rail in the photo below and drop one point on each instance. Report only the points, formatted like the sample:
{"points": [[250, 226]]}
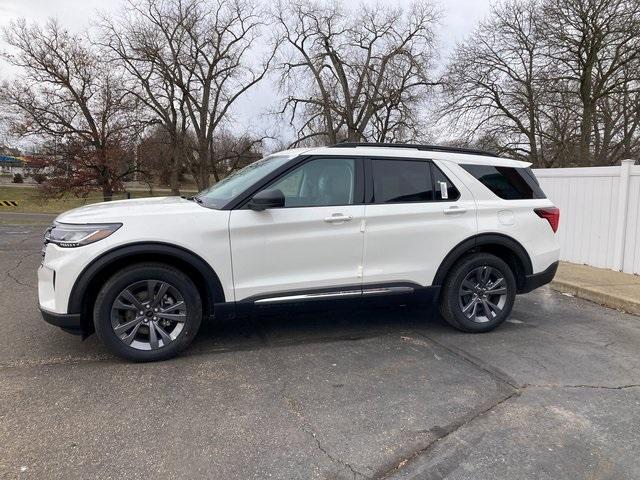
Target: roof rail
{"points": [[427, 148]]}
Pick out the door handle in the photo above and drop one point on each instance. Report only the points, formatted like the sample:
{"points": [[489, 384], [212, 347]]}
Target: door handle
{"points": [[338, 217], [454, 210]]}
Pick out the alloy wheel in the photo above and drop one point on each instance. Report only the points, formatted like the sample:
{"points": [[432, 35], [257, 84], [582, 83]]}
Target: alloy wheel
{"points": [[148, 315], [483, 294]]}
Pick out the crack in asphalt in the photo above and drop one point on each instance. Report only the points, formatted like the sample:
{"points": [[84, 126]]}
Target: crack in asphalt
{"points": [[475, 362], [306, 428], [195, 352], [454, 427], [54, 361], [603, 387], [9, 273], [516, 390], [443, 433]]}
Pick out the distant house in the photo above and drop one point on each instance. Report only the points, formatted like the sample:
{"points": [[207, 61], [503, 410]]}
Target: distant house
{"points": [[24, 165], [10, 164]]}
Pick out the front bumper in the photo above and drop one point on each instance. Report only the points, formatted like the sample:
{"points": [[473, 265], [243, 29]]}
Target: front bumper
{"points": [[539, 279], [69, 322]]}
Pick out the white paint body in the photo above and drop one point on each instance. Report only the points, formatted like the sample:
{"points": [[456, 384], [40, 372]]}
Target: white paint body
{"points": [[292, 249], [286, 249]]}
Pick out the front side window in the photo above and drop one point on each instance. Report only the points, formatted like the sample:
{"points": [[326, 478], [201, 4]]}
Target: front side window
{"points": [[507, 183], [318, 183], [401, 181], [225, 190]]}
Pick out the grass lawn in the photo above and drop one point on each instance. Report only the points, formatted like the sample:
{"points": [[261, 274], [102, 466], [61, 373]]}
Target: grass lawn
{"points": [[31, 199]]}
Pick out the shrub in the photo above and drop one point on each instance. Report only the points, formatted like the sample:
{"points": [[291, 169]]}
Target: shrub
{"points": [[17, 178], [39, 178]]}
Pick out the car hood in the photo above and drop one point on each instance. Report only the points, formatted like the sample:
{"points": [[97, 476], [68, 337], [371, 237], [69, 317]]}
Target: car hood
{"points": [[121, 210]]}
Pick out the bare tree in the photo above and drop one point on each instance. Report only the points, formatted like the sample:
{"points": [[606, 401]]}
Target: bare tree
{"points": [[555, 82], [591, 43], [140, 49], [64, 95], [558, 129], [354, 75], [494, 84], [205, 49], [4, 133], [230, 152], [156, 154], [616, 124]]}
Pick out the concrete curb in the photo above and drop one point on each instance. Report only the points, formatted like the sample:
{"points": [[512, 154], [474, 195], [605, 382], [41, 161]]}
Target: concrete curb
{"points": [[599, 295]]}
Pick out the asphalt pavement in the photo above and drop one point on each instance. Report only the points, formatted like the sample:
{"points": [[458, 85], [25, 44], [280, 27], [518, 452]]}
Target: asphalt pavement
{"points": [[554, 393]]}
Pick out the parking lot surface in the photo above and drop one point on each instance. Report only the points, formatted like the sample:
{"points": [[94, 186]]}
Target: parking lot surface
{"points": [[554, 393]]}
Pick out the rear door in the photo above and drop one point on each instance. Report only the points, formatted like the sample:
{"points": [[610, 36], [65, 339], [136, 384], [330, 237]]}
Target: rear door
{"points": [[415, 215], [313, 243]]}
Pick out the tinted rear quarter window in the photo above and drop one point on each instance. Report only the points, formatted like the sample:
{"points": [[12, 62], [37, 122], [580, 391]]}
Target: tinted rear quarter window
{"points": [[508, 183]]}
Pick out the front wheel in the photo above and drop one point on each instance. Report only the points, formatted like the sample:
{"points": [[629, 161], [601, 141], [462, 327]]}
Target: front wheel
{"points": [[148, 312], [478, 294]]}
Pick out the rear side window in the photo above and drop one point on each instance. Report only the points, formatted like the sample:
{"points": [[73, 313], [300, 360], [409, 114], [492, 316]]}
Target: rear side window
{"points": [[407, 181], [507, 182], [401, 181]]}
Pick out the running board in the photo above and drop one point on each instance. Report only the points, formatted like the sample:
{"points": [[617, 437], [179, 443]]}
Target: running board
{"points": [[368, 292]]}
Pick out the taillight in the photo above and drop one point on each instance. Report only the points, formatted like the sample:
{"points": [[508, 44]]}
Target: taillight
{"points": [[551, 214]]}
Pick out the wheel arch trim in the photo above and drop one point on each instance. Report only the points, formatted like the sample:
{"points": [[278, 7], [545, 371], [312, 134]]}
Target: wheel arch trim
{"points": [[212, 283], [478, 241]]}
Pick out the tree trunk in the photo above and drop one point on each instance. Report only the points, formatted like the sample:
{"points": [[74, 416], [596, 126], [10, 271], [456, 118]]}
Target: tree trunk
{"points": [[174, 180], [107, 192], [203, 165], [105, 184], [353, 135], [531, 134], [584, 150], [586, 121], [176, 164], [216, 175], [533, 150]]}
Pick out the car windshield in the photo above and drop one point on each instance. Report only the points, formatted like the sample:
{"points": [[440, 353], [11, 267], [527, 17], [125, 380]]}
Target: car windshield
{"points": [[222, 192]]}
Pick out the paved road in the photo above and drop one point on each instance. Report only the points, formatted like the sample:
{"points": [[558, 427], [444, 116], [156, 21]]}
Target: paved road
{"points": [[553, 394]]}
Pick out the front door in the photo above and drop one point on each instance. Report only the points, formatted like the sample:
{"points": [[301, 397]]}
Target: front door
{"points": [[312, 243]]}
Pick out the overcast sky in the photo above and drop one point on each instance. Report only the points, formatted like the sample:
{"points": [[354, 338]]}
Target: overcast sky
{"points": [[460, 17]]}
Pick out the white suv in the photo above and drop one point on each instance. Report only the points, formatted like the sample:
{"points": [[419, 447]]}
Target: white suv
{"points": [[463, 228]]}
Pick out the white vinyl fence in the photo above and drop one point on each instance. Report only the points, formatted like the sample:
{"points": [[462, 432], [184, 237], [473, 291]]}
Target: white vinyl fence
{"points": [[599, 214]]}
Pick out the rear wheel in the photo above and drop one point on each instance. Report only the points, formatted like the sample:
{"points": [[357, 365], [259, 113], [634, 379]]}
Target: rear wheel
{"points": [[478, 294], [148, 312]]}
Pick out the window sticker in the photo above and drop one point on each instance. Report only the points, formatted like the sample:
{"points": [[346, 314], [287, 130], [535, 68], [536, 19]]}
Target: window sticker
{"points": [[444, 191]]}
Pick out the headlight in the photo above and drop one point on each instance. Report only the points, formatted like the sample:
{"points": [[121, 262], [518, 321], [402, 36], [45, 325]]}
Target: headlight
{"points": [[67, 235]]}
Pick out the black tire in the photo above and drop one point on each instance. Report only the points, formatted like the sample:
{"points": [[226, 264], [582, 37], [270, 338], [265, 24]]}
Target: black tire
{"points": [[452, 303], [178, 287]]}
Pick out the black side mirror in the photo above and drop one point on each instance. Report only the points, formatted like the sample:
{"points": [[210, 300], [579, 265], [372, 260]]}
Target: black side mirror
{"points": [[267, 199]]}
